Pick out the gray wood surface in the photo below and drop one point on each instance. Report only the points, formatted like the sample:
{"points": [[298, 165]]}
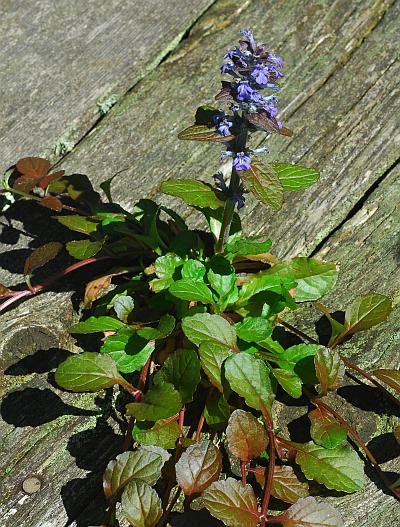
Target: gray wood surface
{"points": [[340, 97], [60, 60]]}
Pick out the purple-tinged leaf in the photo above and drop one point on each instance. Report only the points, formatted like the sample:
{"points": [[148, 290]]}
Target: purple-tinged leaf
{"points": [[24, 184], [232, 503], [325, 430], [262, 181], [286, 486], [367, 311], [34, 167], [246, 436], [308, 512], [329, 368], [200, 132], [41, 256], [198, 467], [389, 377]]}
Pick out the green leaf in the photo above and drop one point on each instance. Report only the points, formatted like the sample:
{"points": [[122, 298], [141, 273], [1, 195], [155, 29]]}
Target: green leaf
{"points": [[389, 377], [216, 410], [78, 223], [314, 278], [96, 324], [160, 401], [295, 177], [193, 192], [144, 464], [198, 467], [367, 311], [141, 504], [325, 430], [129, 351], [232, 503], [248, 376], [87, 372], [286, 486], [246, 436], [308, 512], [192, 290], [202, 132], [82, 249], [123, 306], [205, 327], [264, 282], [329, 368], [165, 265], [337, 327], [162, 433], [41, 256], [300, 360], [193, 269], [222, 276], [182, 369], [337, 468], [263, 182], [165, 327], [212, 355], [253, 329], [249, 245], [289, 381]]}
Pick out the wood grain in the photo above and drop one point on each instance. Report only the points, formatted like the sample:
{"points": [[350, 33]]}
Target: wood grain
{"points": [[340, 96], [61, 60]]}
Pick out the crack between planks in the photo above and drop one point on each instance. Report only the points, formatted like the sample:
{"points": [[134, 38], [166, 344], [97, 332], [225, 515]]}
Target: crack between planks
{"points": [[162, 57], [356, 207]]}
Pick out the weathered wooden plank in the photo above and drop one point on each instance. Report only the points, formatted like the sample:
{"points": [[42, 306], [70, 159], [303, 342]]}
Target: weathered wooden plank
{"points": [[184, 67], [60, 60]]}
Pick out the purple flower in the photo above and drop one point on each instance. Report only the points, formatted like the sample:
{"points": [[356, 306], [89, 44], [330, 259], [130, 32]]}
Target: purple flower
{"points": [[244, 90], [220, 182], [218, 117], [242, 161], [275, 60], [271, 109], [224, 127], [260, 74], [238, 199], [249, 36], [227, 67]]}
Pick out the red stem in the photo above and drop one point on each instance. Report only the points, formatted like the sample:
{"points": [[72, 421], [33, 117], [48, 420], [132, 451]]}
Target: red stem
{"points": [[271, 467], [182, 418], [199, 427], [35, 289], [244, 472]]}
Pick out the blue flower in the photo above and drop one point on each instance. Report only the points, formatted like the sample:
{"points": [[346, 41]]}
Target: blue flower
{"points": [[271, 109], [249, 36], [260, 74], [220, 182], [244, 90], [218, 117], [228, 66], [224, 127], [238, 199], [275, 60], [242, 161]]}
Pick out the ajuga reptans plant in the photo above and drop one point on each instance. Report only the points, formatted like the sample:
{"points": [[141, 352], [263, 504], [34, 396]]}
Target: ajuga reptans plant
{"points": [[190, 322]]}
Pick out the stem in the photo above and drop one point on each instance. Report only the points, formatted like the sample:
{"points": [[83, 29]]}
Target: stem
{"points": [[35, 289], [199, 428], [365, 374], [182, 418], [271, 468], [168, 510], [227, 217], [243, 470], [296, 331]]}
